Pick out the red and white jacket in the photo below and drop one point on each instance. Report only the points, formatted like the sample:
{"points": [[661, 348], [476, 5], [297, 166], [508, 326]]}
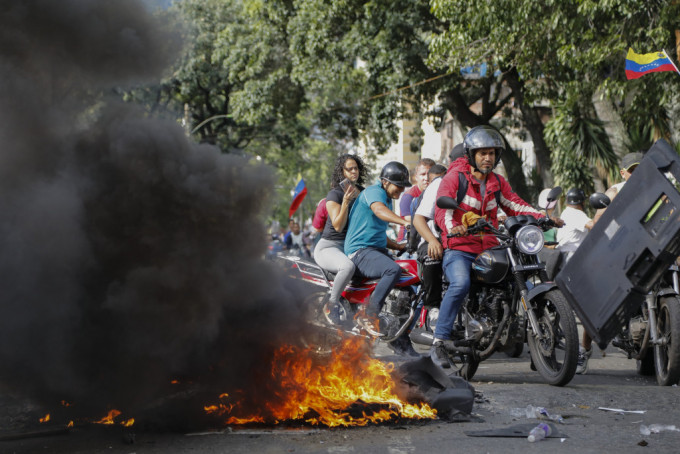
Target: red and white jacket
{"points": [[473, 201]]}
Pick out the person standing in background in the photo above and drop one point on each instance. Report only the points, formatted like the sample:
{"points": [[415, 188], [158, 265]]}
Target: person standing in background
{"points": [[421, 182]]}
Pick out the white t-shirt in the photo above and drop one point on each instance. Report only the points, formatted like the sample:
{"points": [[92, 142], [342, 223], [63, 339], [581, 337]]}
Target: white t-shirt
{"points": [[427, 205], [574, 231]]}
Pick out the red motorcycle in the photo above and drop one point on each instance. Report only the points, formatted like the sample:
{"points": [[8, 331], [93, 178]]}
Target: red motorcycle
{"points": [[397, 314]]}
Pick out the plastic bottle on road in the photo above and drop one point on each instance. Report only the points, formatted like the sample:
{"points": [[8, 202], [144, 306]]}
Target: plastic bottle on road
{"points": [[539, 432], [542, 413]]}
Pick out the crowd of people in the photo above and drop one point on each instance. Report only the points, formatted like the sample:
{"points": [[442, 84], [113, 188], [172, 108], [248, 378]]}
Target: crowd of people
{"points": [[351, 232]]}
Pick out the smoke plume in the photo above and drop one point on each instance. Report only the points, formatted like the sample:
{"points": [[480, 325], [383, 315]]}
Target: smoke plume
{"points": [[129, 256]]}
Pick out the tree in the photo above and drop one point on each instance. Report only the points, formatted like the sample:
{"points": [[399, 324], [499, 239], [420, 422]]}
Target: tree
{"points": [[562, 52]]}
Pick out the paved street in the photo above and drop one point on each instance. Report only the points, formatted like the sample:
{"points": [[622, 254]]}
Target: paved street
{"points": [[505, 384]]}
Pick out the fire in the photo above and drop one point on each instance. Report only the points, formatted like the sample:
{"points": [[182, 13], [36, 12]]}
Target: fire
{"points": [[45, 418], [353, 389], [113, 414]]}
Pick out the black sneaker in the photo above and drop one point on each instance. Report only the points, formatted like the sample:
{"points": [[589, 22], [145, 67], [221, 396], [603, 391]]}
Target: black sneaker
{"points": [[439, 355], [402, 346]]}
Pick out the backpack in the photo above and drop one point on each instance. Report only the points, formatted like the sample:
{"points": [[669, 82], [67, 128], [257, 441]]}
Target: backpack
{"points": [[463, 185], [414, 236]]}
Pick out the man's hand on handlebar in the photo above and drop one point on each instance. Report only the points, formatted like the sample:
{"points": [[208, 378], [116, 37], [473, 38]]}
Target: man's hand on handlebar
{"points": [[458, 230]]}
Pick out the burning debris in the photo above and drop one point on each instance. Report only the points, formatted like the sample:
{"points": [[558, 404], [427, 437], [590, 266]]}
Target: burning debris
{"points": [[350, 389]]}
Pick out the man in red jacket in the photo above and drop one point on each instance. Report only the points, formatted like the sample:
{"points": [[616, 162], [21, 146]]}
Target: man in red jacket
{"points": [[485, 190]]}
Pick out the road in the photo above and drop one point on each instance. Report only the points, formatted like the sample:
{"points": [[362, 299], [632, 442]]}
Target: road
{"points": [[505, 384]]}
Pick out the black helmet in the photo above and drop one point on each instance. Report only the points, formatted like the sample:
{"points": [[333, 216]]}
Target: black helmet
{"points": [[575, 196], [396, 173], [483, 137]]}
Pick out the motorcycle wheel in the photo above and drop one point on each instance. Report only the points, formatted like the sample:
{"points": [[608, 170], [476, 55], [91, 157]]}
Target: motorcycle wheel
{"points": [[667, 353], [555, 355], [645, 366], [319, 335], [516, 350], [463, 365]]}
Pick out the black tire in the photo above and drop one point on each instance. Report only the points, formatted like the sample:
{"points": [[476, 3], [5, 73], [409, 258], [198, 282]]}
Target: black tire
{"points": [[667, 354], [516, 350], [556, 354], [645, 366], [319, 335], [463, 365]]}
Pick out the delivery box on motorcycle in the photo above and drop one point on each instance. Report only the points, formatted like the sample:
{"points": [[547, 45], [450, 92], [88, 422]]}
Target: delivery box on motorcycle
{"points": [[629, 249]]}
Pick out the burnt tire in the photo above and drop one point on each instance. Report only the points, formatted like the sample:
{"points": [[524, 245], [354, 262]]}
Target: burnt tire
{"points": [[667, 353], [555, 354]]}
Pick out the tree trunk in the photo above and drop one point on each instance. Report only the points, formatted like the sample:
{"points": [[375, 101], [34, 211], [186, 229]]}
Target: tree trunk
{"points": [[454, 102], [533, 124]]}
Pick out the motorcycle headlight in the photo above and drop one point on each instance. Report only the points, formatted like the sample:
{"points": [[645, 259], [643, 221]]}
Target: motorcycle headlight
{"points": [[529, 239]]}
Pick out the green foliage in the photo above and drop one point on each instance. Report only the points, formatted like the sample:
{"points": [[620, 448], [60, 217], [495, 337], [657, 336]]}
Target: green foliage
{"points": [[563, 50], [296, 83], [580, 145]]}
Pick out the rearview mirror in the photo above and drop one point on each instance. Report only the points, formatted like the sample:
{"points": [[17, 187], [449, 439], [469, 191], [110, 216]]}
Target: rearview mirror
{"points": [[447, 203], [553, 195]]}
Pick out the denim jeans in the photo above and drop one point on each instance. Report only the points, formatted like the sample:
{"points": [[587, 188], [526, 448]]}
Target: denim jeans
{"points": [[377, 263], [457, 267]]}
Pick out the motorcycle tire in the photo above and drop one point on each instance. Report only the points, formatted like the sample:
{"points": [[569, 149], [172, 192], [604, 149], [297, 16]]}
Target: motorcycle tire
{"points": [[516, 350], [556, 354], [318, 335], [645, 366], [667, 354], [463, 365]]}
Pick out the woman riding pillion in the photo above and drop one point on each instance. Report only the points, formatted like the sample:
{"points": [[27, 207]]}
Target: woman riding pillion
{"points": [[329, 251], [484, 193]]}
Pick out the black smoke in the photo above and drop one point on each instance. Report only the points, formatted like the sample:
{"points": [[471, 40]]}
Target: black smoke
{"points": [[129, 256]]}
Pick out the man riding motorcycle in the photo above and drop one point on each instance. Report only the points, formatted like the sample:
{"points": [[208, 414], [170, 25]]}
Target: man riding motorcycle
{"points": [[366, 245], [485, 191]]}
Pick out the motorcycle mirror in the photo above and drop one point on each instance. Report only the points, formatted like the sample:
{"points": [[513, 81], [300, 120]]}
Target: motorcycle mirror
{"points": [[447, 203], [554, 194], [599, 200]]}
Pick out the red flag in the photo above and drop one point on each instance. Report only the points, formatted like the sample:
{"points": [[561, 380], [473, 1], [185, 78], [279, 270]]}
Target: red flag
{"points": [[298, 196]]}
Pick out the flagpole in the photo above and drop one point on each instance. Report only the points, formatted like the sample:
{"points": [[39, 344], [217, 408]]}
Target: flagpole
{"points": [[671, 60]]}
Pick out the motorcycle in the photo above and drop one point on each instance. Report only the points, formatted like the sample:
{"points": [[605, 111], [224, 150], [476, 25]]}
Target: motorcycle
{"points": [[396, 316], [651, 335], [511, 301]]}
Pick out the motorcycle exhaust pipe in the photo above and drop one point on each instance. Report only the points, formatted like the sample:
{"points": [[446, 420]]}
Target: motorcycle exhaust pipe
{"points": [[403, 328]]}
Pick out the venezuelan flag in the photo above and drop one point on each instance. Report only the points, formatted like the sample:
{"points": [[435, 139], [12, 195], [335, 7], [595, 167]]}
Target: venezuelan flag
{"points": [[298, 195], [637, 65]]}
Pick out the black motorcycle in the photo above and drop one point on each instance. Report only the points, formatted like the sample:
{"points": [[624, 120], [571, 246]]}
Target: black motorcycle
{"points": [[652, 333], [511, 301]]}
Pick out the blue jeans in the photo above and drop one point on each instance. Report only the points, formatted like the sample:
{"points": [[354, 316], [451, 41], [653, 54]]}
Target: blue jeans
{"points": [[457, 267], [376, 263]]}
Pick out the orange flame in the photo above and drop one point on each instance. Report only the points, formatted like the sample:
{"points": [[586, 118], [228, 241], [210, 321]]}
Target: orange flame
{"points": [[108, 419], [113, 414], [45, 418], [323, 393], [70, 424]]}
